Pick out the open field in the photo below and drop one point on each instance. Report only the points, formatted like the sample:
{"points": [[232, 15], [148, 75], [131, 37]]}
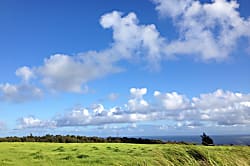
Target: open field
{"points": [[96, 154]]}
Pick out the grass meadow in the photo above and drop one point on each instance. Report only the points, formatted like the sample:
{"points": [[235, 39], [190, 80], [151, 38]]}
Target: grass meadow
{"points": [[120, 154]]}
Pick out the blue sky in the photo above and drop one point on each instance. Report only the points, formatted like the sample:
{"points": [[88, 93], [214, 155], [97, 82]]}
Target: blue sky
{"points": [[147, 67]]}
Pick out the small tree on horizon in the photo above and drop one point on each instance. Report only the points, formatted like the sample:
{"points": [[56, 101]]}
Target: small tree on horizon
{"points": [[206, 140]]}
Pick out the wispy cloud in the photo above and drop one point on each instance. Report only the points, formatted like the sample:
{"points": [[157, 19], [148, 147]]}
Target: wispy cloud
{"points": [[113, 96]]}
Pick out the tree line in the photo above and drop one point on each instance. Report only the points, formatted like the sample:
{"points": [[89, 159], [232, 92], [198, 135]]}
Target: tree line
{"points": [[83, 139]]}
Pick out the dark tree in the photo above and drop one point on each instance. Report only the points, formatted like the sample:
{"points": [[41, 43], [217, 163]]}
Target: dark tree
{"points": [[206, 140]]}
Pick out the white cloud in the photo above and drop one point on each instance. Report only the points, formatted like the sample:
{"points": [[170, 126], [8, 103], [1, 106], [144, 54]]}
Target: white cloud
{"points": [[217, 108], [223, 107], [69, 73], [132, 40], [19, 93], [137, 103], [85, 117], [245, 103], [32, 122], [172, 101], [171, 8], [98, 109], [208, 30], [25, 73], [76, 117], [219, 99], [138, 93], [22, 92]]}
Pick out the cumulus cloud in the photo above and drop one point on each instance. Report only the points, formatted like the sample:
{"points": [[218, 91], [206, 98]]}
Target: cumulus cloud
{"points": [[69, 73], [32, 122], [172, 101], [219, 108], [25, 73], [137, 103], [219, 98], [171, 8], [208, 30], [132, 40], [224, 107], [98, 116], [19, 93], [216, 108]]}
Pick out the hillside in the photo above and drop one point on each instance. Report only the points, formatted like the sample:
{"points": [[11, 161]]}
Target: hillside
{"points": [[117, 154]]}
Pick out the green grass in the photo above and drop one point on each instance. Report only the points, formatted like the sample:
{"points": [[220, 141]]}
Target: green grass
{"points": [[95, 154]]}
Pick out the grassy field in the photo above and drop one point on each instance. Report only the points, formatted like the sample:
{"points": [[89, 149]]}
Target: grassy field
{"points": [[95, 154]]}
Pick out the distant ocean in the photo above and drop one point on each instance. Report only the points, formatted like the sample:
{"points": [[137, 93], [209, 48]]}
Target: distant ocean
{"points": [[218, 139]]}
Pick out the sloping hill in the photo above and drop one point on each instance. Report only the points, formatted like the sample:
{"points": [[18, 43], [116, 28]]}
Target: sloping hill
{"points": [[121, 154]]}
